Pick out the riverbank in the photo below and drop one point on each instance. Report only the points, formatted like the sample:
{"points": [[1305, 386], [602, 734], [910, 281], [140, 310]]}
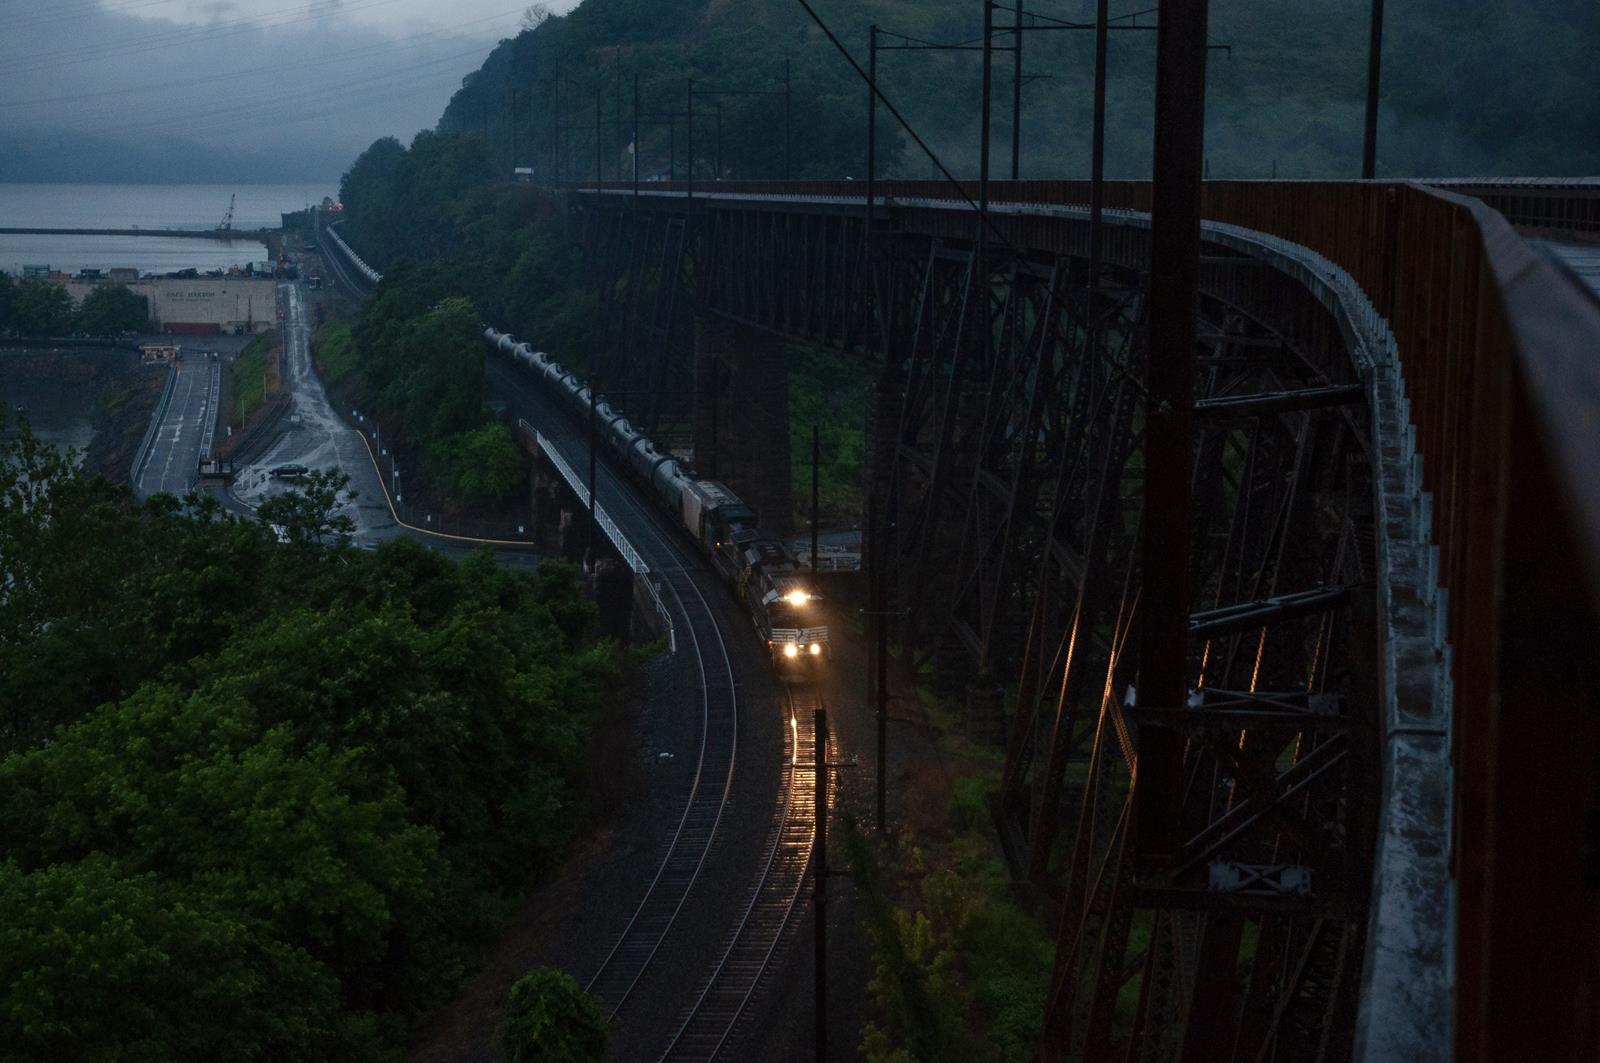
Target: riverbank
{"points": [[97, 400]]}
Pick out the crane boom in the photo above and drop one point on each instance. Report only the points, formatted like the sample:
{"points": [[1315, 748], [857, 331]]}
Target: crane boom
{"points": [[226, 224]]}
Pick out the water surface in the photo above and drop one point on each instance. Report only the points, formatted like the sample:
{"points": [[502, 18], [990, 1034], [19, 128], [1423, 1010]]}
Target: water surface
{"points": [[154, 207]]}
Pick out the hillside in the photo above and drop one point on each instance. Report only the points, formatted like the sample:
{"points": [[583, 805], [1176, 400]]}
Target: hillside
{"points": [[1478, 87]]}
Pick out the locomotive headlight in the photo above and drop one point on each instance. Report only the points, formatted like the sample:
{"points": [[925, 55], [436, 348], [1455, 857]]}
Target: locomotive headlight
{"points": [[791, 650], [816, 648], [797, 597]]}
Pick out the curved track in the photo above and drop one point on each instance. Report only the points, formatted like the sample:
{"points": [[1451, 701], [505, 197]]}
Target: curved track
{"points": [[641, 939], [710, 1023]]}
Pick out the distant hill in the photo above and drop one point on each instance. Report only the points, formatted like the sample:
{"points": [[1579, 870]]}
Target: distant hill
{"points": [[68, 156], [1470, 87]]}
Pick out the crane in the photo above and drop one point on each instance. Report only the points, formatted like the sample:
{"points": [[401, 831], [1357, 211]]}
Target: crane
{"points": [[226, 224]]}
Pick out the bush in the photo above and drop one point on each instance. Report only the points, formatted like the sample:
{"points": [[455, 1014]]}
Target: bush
{"points": [[548, 1019], [481, 465]]}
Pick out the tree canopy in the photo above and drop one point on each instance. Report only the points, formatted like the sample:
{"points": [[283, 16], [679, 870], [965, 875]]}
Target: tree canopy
{"points": [[1466, 89], [260, 800]]}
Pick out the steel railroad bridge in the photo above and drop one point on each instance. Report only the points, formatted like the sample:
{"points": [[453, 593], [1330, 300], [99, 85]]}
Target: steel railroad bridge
{"points": [[1372, 829]]}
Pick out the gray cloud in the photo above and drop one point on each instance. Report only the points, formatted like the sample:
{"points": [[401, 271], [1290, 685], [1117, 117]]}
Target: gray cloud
{"points": [[273, 75]]}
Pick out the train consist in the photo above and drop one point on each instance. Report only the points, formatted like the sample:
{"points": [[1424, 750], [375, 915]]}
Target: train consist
{"points": [[763, 572]]}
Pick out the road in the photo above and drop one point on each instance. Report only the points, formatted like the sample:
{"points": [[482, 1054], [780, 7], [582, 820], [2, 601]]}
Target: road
{"points": [[185, 429], [314, 435]]}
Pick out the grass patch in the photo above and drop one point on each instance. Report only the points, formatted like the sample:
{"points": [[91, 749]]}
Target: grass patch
{"points": [[250, 377], [335, 351]]}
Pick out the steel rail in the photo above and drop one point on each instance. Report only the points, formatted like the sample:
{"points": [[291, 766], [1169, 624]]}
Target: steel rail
{"points": [[786, 854], [682, 894], [663, 901]]}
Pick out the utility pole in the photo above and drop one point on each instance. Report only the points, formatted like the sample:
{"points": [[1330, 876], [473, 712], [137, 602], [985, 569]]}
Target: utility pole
{"points": [[1097, 169], [1016, 95], [594, 526], [983, 150], [788, 169], [820, 892], [557, 116], [636, 145], [872, 123], [1164, 541], [716, 400], [597, 174], [513, 131], [880, 663], [1369, 143], [816, 458], [619, 145], [716, 155], [690, 166]]}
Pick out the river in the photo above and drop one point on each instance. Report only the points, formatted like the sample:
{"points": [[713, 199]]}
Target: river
{"points": [[154, 207]]}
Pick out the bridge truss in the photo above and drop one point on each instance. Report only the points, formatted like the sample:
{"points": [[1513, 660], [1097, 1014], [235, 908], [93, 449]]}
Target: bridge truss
{"points": [[1006, 472]]}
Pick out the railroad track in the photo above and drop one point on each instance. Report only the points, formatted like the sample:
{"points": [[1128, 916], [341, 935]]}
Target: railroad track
{"points": [[712, 1024], [715, 1019], [641, 939]]}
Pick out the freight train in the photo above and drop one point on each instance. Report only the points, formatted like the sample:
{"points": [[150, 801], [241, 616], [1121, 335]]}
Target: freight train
{"points": [[763, 572]]}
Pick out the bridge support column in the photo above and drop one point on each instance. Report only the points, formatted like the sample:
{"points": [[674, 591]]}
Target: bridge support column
{"points": [[741, 395]]}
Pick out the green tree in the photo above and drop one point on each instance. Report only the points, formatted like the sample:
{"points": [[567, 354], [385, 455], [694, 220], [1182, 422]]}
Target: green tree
{"points": [[310, 512], [483, 464], [8, 298], [42, 308], [442, 393], [111, 309], [100, 964], [548, 1019]]}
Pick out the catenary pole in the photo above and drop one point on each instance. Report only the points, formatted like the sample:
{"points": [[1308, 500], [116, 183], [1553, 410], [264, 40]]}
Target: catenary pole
{"points": [[820, 882], [816, 458], [1165, 546], [1097, 169], [1016, 95], [1369, 142], [872, 125]]}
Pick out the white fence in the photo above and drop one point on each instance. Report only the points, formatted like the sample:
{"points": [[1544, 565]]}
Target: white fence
{"points": [[609, 526]]}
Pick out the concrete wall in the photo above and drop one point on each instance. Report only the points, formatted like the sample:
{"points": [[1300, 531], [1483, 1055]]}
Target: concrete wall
{"points": [[245, 304]]}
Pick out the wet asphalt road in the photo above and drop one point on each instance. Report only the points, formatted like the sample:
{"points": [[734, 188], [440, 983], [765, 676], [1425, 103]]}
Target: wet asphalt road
{"points": [[315, 436], [176, 448]]}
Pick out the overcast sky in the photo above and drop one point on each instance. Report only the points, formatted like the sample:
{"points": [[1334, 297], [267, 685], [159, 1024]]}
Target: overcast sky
{"points": [[261, 74]]}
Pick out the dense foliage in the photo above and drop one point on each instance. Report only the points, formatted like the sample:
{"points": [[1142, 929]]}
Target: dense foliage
{"points": [[256, 800], [548, 1019], [36, 307], [959, 967], [111, 309], [1469, 87], [466, 252]]}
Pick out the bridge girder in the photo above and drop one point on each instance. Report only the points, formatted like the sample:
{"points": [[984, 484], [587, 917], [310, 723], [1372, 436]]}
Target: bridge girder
{"points": [[1004, 474]]}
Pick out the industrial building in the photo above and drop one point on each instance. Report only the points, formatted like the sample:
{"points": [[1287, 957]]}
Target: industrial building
{"points": [[232, 305]]}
